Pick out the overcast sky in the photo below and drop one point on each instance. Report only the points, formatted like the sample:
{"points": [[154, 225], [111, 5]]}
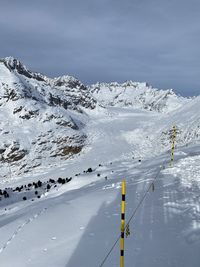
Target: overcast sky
{"points": [[157, 41]]}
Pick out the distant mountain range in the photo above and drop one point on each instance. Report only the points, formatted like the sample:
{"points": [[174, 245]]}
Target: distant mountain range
{"points": [[137, 95], [42, 120]]}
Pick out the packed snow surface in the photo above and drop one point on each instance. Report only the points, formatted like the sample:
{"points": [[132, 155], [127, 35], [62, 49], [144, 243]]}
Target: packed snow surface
{"points": [[77, 223]]}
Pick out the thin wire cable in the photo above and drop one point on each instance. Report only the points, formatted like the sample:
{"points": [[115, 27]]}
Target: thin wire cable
{"points": [[133, 214], [108, 254], [144, 196]]}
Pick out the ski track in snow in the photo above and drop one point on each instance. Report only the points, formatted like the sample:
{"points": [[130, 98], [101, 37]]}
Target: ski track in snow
{"points": [[20, 227]]}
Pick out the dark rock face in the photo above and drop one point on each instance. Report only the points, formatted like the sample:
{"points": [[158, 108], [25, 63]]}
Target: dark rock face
{"points": [[15, 153], [14, 64]]}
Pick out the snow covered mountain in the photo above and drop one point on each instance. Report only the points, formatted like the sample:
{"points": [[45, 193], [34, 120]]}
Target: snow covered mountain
{"points": [[41, 119], [63, 157], [137, 95], [65, 91], [173, 110]]}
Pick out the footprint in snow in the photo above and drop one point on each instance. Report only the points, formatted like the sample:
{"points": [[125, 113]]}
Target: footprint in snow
{"points": [[109, 186], [113, 185]]}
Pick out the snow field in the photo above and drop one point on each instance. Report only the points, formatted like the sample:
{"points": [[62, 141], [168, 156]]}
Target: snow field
{"points": [[81, 219]]}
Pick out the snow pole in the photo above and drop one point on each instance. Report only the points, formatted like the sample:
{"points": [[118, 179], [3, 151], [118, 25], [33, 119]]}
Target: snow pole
{"points": [[122, 223], [173, 138]]}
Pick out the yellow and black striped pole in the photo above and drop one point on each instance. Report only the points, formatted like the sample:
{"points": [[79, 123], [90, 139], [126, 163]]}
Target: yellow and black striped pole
{"points": [[173, 139], [122, 223]]}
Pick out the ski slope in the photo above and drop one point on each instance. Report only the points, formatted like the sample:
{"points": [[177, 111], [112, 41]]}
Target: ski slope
{"points": [[76, 224]]}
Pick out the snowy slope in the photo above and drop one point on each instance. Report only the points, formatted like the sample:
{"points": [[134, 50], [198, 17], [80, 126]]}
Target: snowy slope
{"points": [[187, 121], [137, 95], [75, 220], [41, 119], [84, 215]]}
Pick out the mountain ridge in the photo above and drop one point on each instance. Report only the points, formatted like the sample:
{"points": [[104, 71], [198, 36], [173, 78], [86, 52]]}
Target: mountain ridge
{"points": [[137, 94], [45, 120], [129, 93]]}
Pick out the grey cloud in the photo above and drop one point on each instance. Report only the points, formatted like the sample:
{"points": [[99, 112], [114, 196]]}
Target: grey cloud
{"points": [[155, 41]]}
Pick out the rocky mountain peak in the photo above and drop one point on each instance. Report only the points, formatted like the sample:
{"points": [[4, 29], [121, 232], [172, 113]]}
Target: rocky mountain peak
{"points": [[17, 82], [67, 81], [137, 95], [12, 63], [15, 65]]}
